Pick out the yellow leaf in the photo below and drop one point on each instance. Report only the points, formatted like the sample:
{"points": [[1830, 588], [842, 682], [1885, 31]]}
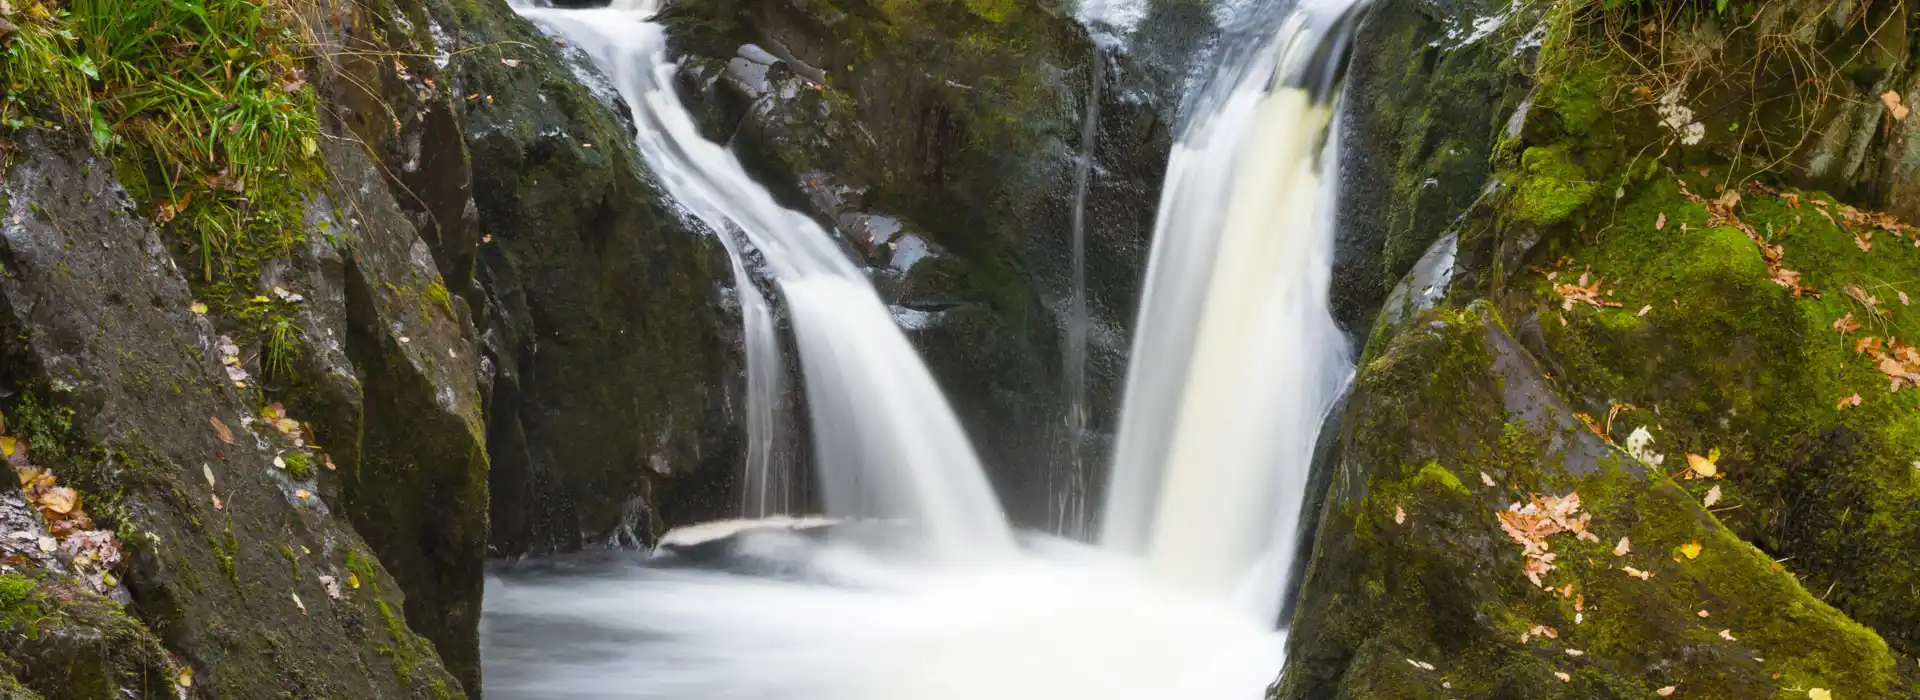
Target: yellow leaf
{"points": [[9, 445], [198, 308], [186, 677], [1666, 691], [353, 581], [303, 494], [1691, 549], [286, 425], [1702, 466], [1819, 694], [60, 499]]}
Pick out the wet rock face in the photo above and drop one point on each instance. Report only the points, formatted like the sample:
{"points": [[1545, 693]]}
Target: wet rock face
{"points": [[604, 359], [227, 548], [965, 129], [1429, 89]]}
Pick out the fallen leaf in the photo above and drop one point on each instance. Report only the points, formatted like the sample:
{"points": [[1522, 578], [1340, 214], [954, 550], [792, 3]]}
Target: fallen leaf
{"points": [[1636, 573], [303, 494], [48, 544], [1576, 653], [510, 63], [186, 677], [59, 499], [1702, 466], [298, 604], [1691, 550], [353, 581], [1644, 310], [1853, 400], [1666, 691], [1713, 496], [332, 585], [9, 445], [1703, 614], [1819, 694], [1660, 224], [1903, 299], [1399, 515], [198, 308], [1727, 635], [1845, 325], [1894, 107], [1562, 675], [1621, 550], [1486, 479], [1422, 665], [220, 429]]}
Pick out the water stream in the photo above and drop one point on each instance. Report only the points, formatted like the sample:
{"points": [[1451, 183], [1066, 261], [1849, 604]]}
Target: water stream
{"points": [[914, 586]]}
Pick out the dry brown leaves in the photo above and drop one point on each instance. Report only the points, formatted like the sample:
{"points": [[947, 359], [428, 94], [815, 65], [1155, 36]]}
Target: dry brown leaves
{"points": [[1585, 291], [94, 553], [1720, 212], [1898, 360], [1545, 516]]}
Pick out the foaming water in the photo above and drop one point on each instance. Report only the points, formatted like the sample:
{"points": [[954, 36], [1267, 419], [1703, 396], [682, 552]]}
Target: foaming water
{"points": [[888, 444], [1064, 622]]}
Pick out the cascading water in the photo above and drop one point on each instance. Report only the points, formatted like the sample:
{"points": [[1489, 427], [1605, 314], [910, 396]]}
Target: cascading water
{"points": [[1236, 357], [889, 447], [918, 589]]}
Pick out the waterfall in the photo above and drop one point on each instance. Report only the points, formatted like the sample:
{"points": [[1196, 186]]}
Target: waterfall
{"points": [[1235, 362], [888, 444], [1236, 356], [1072, 499]]}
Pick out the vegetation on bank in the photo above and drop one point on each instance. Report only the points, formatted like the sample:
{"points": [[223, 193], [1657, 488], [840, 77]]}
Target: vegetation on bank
{"points": [[206, 111]]}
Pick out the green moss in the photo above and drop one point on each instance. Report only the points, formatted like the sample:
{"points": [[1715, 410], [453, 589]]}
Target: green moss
{"points": [[1550, 187], [299, 464], [994, 10], [1436, 477]]}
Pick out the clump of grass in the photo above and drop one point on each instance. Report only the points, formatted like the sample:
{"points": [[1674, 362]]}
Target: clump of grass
{"points": [[202, 104]]}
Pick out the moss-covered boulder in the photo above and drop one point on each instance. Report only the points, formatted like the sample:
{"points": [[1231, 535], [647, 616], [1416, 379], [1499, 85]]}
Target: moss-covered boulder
{"points": [[1679, 244], [1437, 574]]}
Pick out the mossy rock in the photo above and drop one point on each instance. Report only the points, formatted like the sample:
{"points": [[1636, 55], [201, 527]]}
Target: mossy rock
{"points": [[1412, 568], [66, 642]]}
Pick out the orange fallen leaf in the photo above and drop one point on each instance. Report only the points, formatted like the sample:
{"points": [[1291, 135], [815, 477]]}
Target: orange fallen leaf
{"points": [[1895, 108], [220, 429], [1845, 325], [1853, 400]]}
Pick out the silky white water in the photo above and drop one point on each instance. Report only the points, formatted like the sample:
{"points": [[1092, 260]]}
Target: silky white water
{"points": [[916, 589], [1236, 356], [888, 444]]}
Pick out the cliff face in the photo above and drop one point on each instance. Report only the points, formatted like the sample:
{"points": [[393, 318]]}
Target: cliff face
{"points": [[1680, 299]]}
